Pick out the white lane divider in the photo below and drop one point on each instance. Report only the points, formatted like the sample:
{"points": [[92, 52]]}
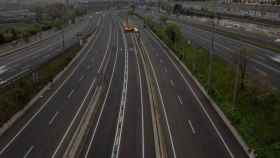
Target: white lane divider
{"points": [[106, 52], [3, 69], [165, 70], [49, 99], [117, 140], [70, 94], [190, 123], [179, 99], [53, 118], [198, 101], [141, 99], [102, 108], [172, 83], [28, 152], [163, 105], [81, 78]]}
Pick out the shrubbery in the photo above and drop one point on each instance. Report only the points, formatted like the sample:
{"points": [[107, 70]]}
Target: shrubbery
{"points": [[256, 113]]}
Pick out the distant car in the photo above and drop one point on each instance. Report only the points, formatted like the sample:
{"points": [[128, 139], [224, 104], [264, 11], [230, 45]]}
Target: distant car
{"points": [[276, 59], [277, 40]]}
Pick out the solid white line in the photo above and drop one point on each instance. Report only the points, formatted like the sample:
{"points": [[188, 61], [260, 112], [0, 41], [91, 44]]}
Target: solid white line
{"points": [[118, 134], [106, 52], [16, 75], [199, 102], [70, 94], [165, 69], [44, 105], [260, 71], [163, 105], [73, 120], [142, 107], [254, 60], [172, 83], [190, 123], [28, 152], [52, 119], [102, 108], [180, 100], [81, 78]]}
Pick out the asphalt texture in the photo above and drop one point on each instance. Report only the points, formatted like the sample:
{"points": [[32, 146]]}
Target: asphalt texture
{"points": [[122, 123], [30, 57]]}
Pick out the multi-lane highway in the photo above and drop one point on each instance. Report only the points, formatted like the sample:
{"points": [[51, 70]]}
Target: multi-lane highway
{"points": [[261, 61], [104, 105], [101, 90], [22, 60]]}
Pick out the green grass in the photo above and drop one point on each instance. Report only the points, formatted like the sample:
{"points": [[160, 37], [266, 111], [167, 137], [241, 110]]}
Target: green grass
{"points": [[14, 97], [257, 112]]}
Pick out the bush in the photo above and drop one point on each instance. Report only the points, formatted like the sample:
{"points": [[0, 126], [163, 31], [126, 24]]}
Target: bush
{"points": [[257, 113]]}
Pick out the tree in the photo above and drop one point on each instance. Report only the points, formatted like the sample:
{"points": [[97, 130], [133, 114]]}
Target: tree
{"points": [[178, 8], [241, 60], [2, 38], [57, 11], [163, 19], [174, 35]]}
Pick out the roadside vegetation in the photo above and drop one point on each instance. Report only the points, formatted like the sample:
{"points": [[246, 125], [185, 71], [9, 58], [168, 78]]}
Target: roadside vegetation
{"points": [[249, 101], [53, 16], [15, 96]]}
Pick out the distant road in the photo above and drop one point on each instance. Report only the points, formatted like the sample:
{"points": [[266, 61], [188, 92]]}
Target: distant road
{"points": [[24, 60], [228, 48]]}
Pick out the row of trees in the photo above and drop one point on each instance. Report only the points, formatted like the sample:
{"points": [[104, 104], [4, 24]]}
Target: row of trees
{"points": [[47, 17]]}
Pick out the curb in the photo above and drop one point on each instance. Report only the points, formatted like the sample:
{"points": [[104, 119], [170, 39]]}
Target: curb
{"points": [[20, 113], [212, 102]]}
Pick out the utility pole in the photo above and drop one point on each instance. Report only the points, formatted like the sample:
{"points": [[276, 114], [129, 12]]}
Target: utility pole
{"points": [[63, 39], [236, 83], [211, 52]]}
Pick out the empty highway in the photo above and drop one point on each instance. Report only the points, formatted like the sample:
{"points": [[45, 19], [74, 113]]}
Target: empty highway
{"points": [[28, 58], [104, 105]]}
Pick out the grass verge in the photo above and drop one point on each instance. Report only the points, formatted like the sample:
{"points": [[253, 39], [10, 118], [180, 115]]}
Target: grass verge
{"points": [[256, 114], [15, 96]]}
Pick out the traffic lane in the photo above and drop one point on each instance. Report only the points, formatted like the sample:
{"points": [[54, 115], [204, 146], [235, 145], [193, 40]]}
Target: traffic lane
{"points": [[102, 78], [131, 139], [101, 136], [20, 123], [44, 44], [222, 132], [259, 65], [25, 135], [37, 105], [262, 56], [26, 63], [199, 142], [232, 46], [147, 132], [17, 69]]}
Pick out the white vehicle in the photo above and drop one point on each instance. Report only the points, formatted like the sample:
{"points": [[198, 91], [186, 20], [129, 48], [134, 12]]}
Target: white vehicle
{"points": [[277, 40], [276, 59]]}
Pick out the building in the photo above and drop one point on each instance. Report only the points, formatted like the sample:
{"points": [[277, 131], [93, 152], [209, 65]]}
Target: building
{"points": [[253, 2]]}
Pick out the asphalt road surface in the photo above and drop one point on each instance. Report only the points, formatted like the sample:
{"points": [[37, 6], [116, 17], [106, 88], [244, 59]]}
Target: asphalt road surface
{"points": [[27, 59], [261, 62], [100, 106]]}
